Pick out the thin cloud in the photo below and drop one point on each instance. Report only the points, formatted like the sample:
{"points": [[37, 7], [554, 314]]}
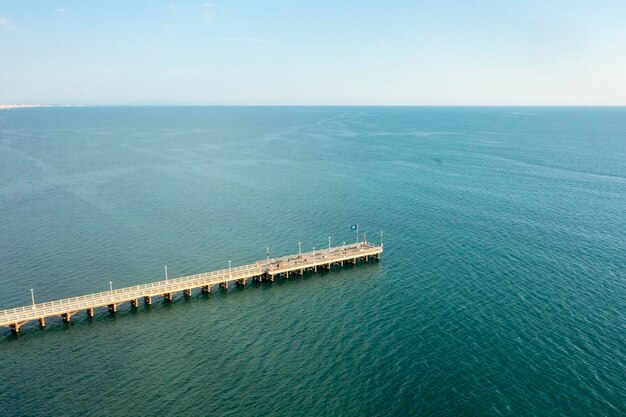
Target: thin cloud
{"points": [[6, 25], [61, 10], [237, 39], [206, 12]]}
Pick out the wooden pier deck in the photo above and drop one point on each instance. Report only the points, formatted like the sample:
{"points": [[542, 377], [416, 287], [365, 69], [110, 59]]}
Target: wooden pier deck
{"points": [[264, 270]]}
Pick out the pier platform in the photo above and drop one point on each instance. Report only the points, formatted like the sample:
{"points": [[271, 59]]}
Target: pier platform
{"points": [[262, 270]]}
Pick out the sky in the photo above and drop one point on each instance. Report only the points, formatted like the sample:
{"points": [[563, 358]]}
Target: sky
{"points": [[291, 52]]}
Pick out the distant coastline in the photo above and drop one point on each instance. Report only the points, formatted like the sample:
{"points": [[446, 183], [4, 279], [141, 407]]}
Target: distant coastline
{"points": [[25, 106]]}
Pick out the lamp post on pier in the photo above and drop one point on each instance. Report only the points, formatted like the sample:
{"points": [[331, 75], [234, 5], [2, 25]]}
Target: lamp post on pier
{"points": [[111, 288], [166, 274], [328, 243], [32, 296], [299, 248], [230, 276]]}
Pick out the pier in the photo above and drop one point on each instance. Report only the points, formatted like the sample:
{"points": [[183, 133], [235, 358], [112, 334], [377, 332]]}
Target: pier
{"points": [[263, 270]]}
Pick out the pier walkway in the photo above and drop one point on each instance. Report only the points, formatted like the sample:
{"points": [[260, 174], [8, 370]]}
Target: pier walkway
{"points": [[265, 270]]}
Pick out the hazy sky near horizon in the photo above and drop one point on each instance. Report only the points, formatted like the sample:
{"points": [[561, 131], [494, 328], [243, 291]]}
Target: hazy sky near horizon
{"points": [[446, 52]]}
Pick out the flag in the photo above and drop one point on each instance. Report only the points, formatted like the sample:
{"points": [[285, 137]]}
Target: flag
{"points": [[354, 226]]}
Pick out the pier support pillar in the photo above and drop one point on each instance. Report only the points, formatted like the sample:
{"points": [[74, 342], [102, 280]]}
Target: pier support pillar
{"points": [[341, 263], [271, 277], [168, 296], [42, 322], [187, 292], [314, 268], [206, 289], [147, 300], [90, 313], [134, 303], [15, 328], [224, 285], [241, 282], [67, 317], [113, 308]]}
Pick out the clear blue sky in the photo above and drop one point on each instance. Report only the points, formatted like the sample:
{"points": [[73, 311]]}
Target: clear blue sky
{"points": [[441, 52]]}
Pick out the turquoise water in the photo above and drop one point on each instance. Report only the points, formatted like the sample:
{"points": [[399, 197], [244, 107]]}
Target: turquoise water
{"points": [[501, 291]]}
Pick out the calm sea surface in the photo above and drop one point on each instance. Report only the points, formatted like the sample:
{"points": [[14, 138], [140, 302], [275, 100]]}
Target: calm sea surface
{"points": [[501, 291]]}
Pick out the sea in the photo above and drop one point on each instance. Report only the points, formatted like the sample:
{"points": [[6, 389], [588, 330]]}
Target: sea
{"points": [[501, 290]]}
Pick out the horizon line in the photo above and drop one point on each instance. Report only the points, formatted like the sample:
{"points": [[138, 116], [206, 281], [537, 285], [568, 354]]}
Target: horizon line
{"points": [[35, 105]]}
